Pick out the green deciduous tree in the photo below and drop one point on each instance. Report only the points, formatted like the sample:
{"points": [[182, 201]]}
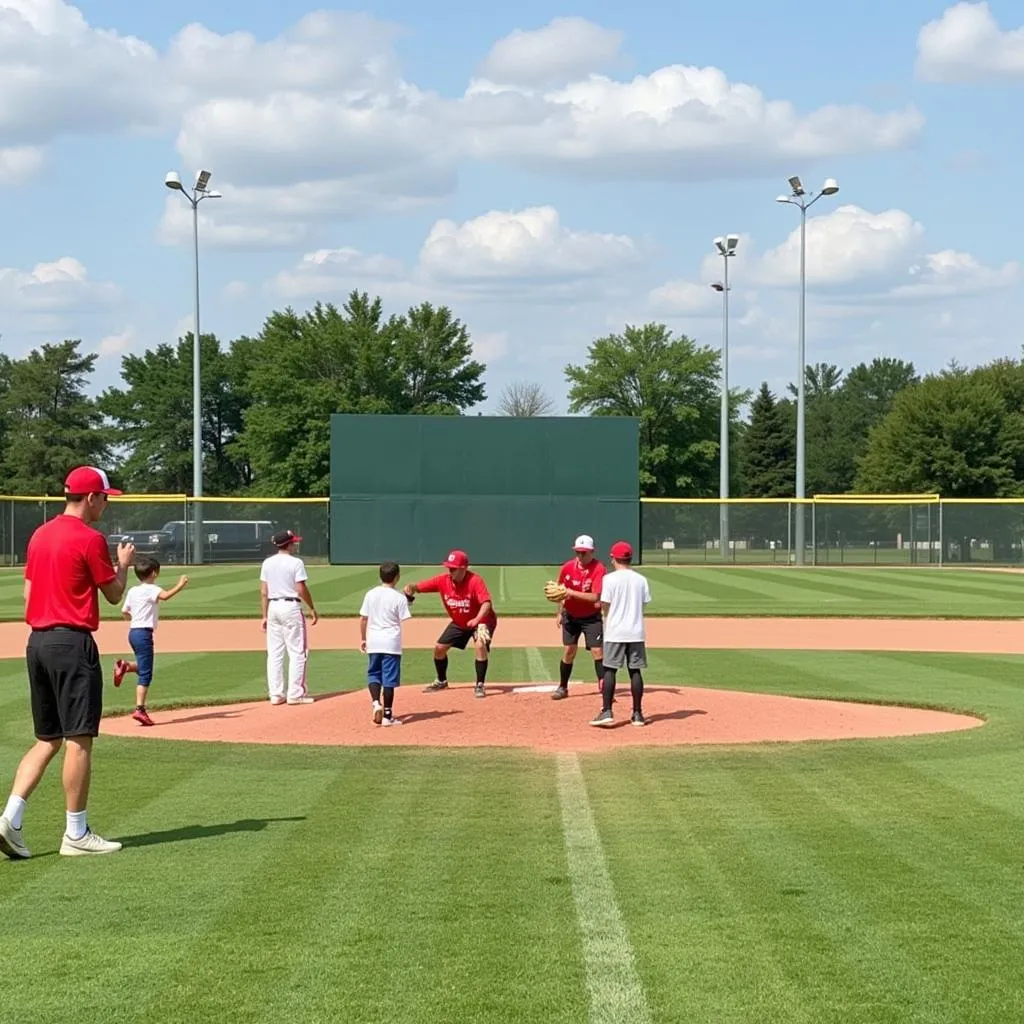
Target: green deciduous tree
{"points": [[52, 424], [768, 451], [303, 368], [958, 433], [152, 418], [672, 386]]}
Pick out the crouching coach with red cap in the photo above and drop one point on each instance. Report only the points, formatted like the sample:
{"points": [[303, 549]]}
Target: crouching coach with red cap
{"points": [[66, 567], [471, 610]]}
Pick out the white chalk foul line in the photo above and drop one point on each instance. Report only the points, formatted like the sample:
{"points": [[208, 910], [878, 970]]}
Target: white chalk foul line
{"points": [[535, 663], [615, 991]]}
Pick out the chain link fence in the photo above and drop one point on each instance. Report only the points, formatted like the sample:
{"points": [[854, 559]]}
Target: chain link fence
{"points": [[234, 530]]}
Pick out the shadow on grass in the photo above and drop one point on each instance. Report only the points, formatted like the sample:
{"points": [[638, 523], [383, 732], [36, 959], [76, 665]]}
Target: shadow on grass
{"points": [[189, 832]]}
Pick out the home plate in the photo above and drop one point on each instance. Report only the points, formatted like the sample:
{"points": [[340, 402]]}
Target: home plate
{"points": [[539, 688]]}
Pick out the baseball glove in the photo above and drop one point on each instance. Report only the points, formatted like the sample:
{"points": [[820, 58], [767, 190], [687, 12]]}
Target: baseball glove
{"points": [[554, 591], [482, 634]]}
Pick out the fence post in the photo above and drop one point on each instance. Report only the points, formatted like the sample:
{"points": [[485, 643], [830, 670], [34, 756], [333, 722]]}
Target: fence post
{"points": [[789, 533], [942, 553], [814, 534]]}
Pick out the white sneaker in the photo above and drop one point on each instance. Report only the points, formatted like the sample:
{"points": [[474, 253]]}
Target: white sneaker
{"points": [[11, 844], [378, 712], [301, 700], [391, 721], [276, 701], [90, 843]]}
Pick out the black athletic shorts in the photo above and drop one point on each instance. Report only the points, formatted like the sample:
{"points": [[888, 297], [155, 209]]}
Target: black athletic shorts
{"points": [[592, 628], [65, 681], [456, 636]]}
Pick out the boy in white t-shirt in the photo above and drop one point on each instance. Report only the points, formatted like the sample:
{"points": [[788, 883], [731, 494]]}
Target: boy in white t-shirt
{"points": [[624, 596], [383, 611], [141, 610]]}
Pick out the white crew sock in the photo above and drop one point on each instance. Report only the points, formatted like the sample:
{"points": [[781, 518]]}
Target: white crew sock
{"points": [[14, 810], [76, 824]]}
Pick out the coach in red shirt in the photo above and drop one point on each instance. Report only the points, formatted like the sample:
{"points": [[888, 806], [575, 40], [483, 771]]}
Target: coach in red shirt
{"points": [[67, 565], [468, 603], [580, 612]]}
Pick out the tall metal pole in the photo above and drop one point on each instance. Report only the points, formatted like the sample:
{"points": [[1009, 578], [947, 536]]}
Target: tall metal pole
{"points": [[723, 471], [197, 409], [800, 407]]}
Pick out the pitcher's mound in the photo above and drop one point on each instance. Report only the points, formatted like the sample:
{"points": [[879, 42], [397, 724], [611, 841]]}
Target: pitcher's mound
{"points": [[518, 716]]}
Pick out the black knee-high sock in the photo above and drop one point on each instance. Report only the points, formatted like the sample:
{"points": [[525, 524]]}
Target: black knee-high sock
{"points": [[389, 700], [599, 669], [441, 668], [375, 691], [481, 671], [608, 690], [636, 687], [564, 672]]}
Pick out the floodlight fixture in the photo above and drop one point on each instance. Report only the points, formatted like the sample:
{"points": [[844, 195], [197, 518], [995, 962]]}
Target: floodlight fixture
{"points": [[173, 180], [796, 185], [830, 188], [731, 241], [202, 180]]}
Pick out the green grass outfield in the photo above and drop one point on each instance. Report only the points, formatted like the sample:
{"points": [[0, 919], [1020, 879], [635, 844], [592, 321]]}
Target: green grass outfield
{"points": [[857, 882], [233, 591]]}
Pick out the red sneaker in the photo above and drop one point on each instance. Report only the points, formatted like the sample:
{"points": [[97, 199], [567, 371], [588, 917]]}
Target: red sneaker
{"points": [[142, 716], [120, 668]]}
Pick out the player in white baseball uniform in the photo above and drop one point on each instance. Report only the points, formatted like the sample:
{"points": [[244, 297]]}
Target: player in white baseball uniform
{"points": [[283, 588]]}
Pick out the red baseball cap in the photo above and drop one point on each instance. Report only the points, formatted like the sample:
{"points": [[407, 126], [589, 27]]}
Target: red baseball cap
{"points": [[283, 537], [457, 560], [621, 549], [88, 480]]}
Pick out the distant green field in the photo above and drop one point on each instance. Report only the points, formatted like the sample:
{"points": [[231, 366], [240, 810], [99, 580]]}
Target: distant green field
{"points": [[233, 591], [854, 882]]}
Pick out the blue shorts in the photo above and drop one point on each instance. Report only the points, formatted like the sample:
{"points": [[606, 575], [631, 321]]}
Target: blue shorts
{"points": [[385, 669], [141, 641]]}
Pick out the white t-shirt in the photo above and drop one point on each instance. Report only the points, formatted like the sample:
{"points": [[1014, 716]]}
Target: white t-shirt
{"points": [[282, 573], [142, 602], [385, 609], [626, 592]]}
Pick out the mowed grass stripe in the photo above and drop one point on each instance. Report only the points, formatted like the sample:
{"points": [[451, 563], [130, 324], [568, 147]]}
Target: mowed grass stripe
{"points": [[614, 988], [720, 932], [421, 887]]}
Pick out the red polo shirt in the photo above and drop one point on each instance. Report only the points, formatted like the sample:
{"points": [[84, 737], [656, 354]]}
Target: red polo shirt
{"points": [[67, 562], [461, 600], [584, 579]]}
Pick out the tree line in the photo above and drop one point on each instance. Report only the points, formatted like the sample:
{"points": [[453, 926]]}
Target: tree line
{"points": [[878, 427]]}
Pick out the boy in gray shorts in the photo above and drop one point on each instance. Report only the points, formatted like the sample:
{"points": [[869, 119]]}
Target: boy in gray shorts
{"points": [[624, 595]]}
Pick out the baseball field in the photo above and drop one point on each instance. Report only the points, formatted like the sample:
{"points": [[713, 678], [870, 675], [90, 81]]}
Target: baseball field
{"points": [[791, 839]]}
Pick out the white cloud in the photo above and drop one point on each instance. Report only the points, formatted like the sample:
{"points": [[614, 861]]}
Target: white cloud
{"points": [[685, 297], [20, 164], [176, 228], [526, 245], [488, 347], [57, 287], [949, 273], [116, 344], [849, 245], [564, 49], [677, 123], [234, 290], [966, 44], [328, 271]]}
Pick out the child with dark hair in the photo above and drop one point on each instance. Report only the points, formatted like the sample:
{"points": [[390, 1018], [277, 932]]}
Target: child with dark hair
{"points": [[141, 611], [383, 611]]}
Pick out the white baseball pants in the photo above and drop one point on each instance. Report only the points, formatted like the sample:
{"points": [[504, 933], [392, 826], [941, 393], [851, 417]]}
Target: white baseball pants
{"points": [[286, 635]]}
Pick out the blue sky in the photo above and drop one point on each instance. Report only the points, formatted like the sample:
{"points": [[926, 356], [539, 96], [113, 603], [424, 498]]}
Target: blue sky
{"points": [[552, 173]]}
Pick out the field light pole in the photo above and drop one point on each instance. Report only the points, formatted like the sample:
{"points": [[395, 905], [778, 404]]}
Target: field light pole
{"points": [[726, 247], [798, 197], [200, 191]]}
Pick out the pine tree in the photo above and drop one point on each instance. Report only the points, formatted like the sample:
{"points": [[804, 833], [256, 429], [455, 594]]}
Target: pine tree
{"points": [[769, 448]]}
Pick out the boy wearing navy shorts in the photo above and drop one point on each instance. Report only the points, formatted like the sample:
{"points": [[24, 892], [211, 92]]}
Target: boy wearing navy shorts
{"points": [[141, 611], [383, 611]]}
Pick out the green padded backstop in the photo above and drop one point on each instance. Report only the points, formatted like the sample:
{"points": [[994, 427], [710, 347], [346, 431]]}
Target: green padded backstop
{"points": [[507, 490]]}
